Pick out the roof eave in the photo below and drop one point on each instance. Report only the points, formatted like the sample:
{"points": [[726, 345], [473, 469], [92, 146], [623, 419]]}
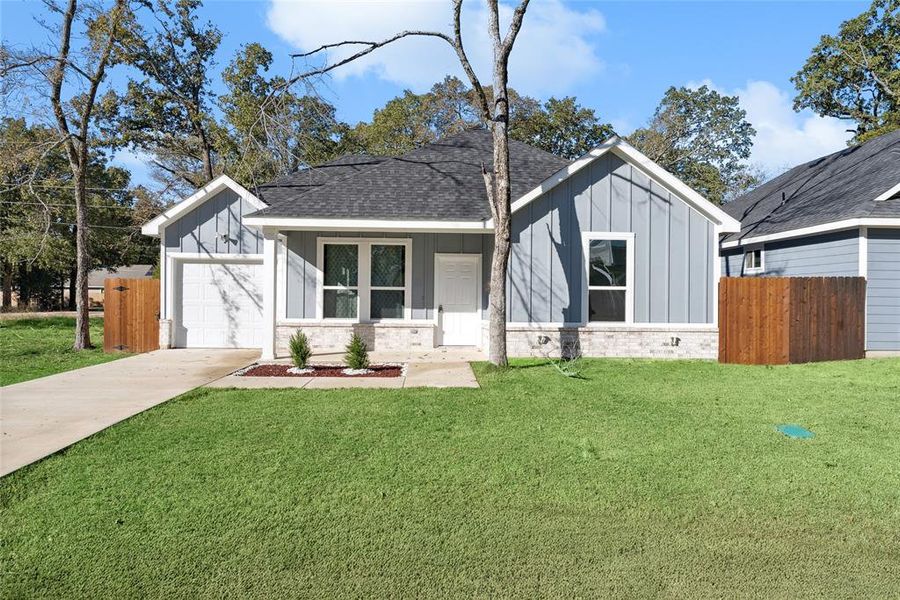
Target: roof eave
{"points": [[724, 222], [336, 224], [155, 226]]}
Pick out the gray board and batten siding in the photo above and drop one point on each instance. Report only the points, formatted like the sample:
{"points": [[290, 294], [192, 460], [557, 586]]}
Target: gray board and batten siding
{"points": [[215, 227], [673, 254], [832, 254], [674, 246], [883, 290], [302, 266]]}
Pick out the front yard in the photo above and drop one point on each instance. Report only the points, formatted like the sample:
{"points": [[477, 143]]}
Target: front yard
{"points": [[646, 479], [31, 348]]}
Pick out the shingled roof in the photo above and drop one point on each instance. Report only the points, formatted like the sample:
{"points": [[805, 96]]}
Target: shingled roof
{"points": [[441, 181], [840, 186]]}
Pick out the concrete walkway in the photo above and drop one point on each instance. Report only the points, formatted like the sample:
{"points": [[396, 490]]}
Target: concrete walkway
{"points": [[42, 416]]}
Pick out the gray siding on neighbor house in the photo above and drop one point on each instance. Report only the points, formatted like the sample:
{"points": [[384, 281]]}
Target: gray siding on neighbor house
{"points": [[883, 290], [830, 255], [301, 265], [673, 254], [201, 229]]}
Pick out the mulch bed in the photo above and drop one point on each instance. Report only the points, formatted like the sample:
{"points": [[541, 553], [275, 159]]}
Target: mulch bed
{"points": [[320, 371]]}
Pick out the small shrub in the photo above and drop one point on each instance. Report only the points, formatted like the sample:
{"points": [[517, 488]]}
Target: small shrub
{"points": [[357, 356], [300, 350]]}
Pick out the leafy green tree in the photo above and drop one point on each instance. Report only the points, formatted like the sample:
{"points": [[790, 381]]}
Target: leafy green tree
{"points": [[167, 111], [269, 133], [404, 123], [38, 216], [561, 127], [703, 137], [855, 75]]}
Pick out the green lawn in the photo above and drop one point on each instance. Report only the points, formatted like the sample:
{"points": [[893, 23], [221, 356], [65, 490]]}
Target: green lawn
{"points": [[32, 348], [646, 479]]}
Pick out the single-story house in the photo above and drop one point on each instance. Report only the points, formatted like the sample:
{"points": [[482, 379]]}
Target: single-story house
{"points": [[608, 250], [838, 215], [97, 281]]}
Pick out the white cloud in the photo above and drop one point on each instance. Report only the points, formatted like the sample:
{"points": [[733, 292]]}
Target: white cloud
{"points": [[784, 138], [554, 50]]}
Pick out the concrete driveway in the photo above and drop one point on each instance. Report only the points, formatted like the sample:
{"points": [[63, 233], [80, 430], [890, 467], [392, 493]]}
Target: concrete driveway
{"points": [[42, 416]]}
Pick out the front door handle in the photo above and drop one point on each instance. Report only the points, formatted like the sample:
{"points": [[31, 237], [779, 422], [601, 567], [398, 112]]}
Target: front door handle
{"points": [[440, 308]]}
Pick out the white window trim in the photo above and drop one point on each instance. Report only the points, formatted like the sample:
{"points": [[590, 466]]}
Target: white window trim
{"points": [[364, 277], [586, 239], [762, 260]]}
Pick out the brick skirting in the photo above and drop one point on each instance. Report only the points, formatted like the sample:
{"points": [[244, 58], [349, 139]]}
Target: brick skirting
{"points": [[625, 342]]}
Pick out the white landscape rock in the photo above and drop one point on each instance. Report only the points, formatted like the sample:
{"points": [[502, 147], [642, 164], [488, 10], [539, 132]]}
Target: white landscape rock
{"points": [[356, 371]]}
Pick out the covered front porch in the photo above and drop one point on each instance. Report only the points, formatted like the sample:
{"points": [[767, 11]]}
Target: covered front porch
{"points": [[403, 291]]}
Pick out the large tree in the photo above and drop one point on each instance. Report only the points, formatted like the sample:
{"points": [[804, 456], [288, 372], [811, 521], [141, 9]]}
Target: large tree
{"points": [[704, 138], [167, 111], [270, 136], [37, 216], [559, 126], [495, 112], [71, 73], [855, 75]]}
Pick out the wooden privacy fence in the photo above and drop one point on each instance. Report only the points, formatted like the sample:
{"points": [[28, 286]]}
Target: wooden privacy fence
{"points": [[780, 320], [130, 315]]}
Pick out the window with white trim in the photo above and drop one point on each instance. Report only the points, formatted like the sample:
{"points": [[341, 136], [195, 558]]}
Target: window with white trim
{"points": [[365, 279], [387, 293], [340, 281], [753, 260], [609, 274]]}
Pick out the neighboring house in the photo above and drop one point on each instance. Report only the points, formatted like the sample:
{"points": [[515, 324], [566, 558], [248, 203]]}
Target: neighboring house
{"points": [[838, 215], [610, 251], [97, 280]]}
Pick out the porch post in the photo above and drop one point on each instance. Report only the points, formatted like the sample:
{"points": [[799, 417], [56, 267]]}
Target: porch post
{"points": [[270, 269]]}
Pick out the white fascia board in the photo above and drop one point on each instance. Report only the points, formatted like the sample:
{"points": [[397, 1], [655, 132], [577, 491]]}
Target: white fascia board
{"points": [[816, 229], [889, 194], [154, 226], [725, 222], [299, 224]]}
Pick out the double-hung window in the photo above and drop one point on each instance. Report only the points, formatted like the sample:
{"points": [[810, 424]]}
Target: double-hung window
{"points": [[610, 266], [365, 279]]}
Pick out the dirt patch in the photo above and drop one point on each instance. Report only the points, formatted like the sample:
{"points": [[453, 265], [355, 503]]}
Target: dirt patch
{"points": [[320, 371]]}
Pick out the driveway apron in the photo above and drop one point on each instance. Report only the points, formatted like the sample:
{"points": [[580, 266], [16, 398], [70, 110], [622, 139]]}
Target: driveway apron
{"points": [[42, 416]]}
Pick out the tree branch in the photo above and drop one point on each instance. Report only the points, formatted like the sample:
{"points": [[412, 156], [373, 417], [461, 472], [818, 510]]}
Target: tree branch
{"points": [[514, 27], [372, 46], [457, 44]]}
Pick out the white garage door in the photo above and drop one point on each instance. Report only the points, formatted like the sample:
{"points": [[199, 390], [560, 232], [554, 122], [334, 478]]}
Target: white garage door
{"points": [[220, 306]]}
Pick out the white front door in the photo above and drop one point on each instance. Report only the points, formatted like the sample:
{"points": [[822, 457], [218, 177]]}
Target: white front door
{"points": [[220, 305], [456, 299]]}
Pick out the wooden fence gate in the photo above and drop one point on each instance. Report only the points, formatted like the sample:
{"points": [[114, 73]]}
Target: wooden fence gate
{"points": [[780, 320], [130, 315]]}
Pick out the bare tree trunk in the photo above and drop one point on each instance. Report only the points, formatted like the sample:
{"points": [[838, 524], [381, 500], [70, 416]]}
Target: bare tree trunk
{"points": [[78, 147], [73, 274], [83, 267], [497, 182], [7, 285]]}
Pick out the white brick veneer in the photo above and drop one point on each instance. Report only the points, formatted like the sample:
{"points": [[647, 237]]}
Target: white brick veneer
{"points": [[166, 334], [378, 336], [628, 342]]}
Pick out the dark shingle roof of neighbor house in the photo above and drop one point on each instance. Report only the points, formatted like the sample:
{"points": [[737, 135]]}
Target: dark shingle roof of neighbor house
{"points": [[836, 187], [441, 181]]}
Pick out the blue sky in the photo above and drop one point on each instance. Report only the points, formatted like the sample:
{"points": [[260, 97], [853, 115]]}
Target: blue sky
{"points": [[616, 57]]}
